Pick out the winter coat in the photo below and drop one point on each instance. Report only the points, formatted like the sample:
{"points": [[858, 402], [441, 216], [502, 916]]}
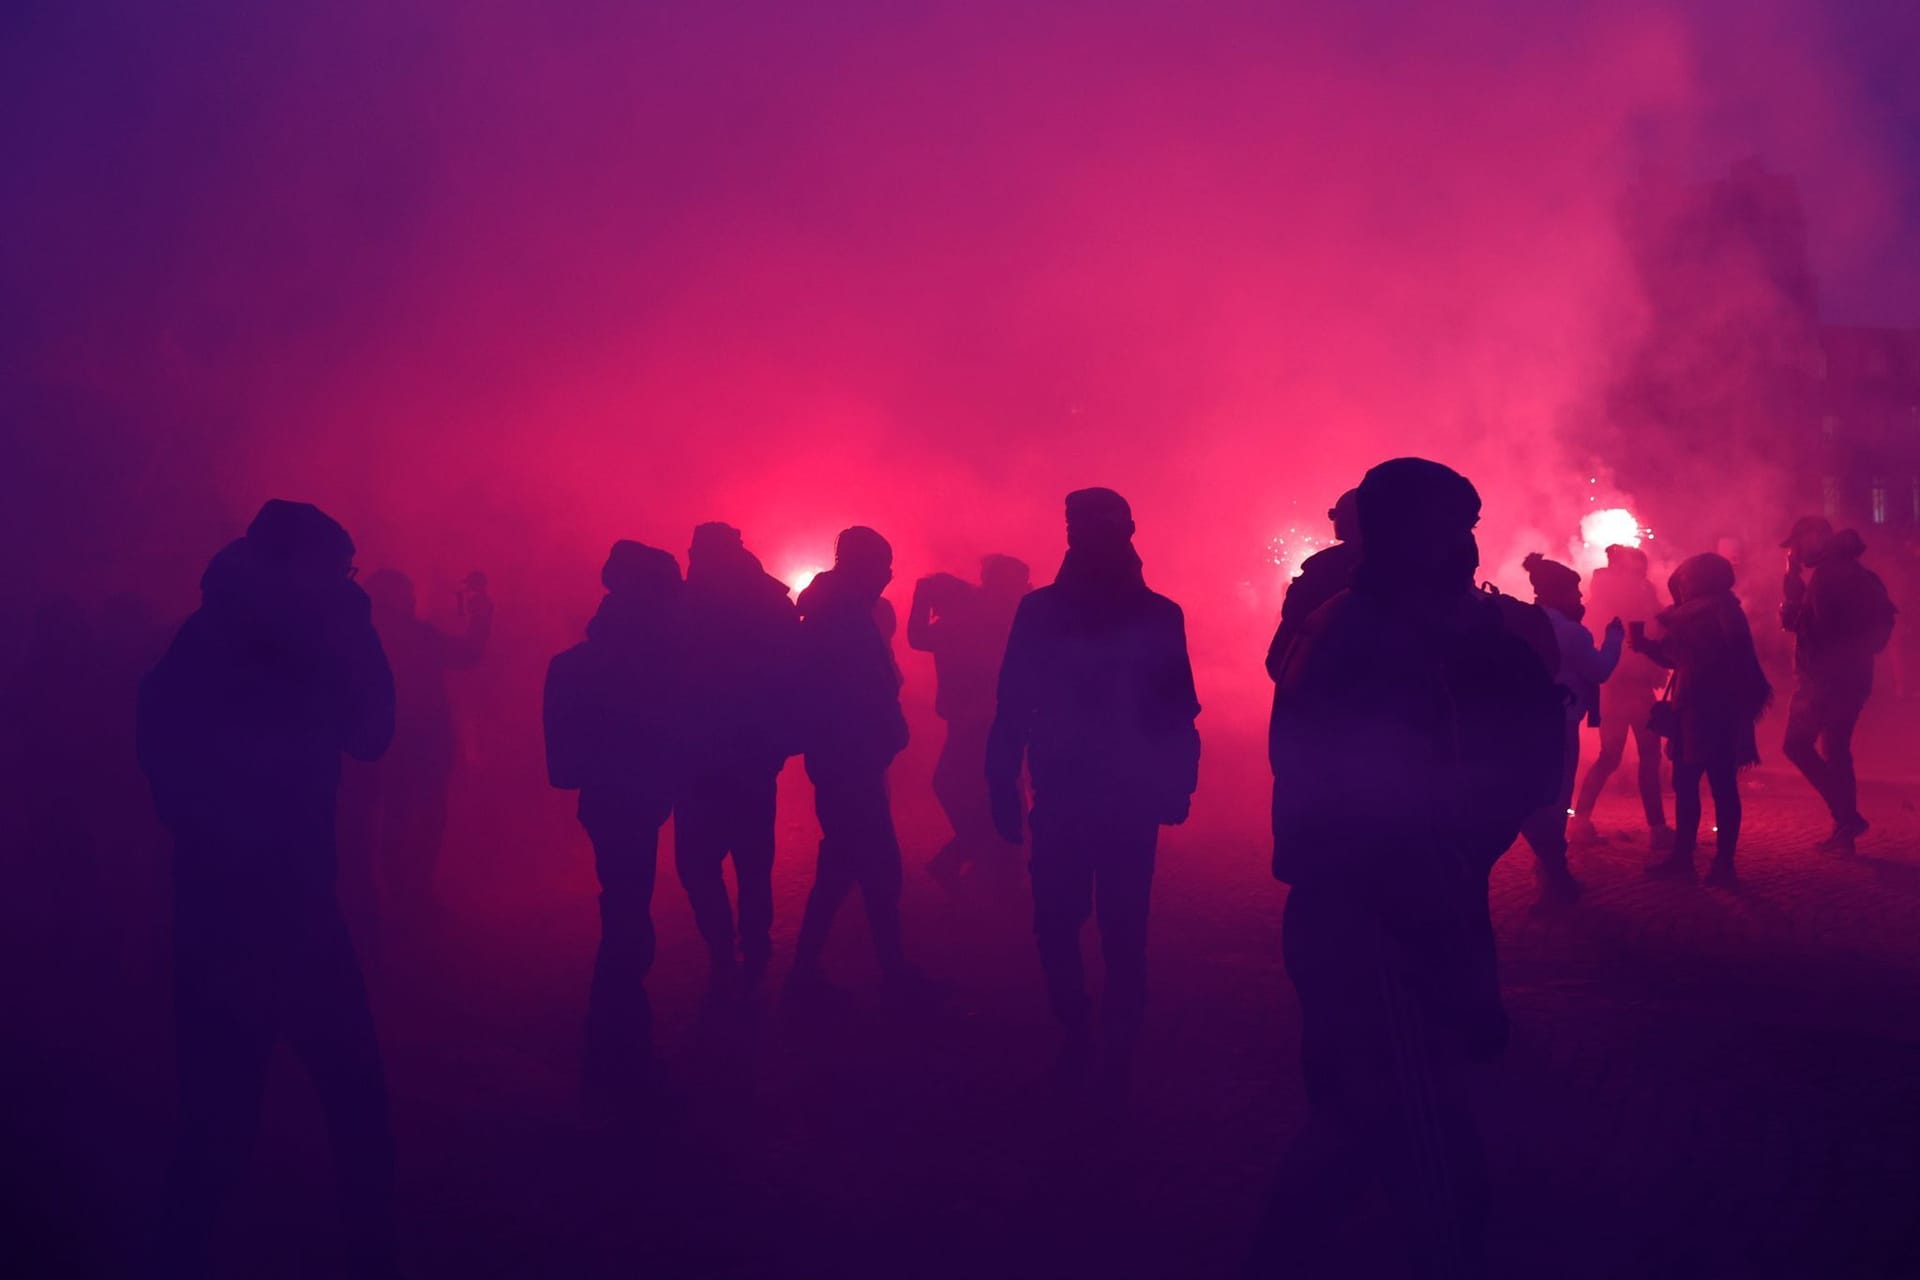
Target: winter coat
{"points": [[1719, 689]]}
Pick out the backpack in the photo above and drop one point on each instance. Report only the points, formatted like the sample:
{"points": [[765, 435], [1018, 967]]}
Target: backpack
{"points": [[571, 708]]}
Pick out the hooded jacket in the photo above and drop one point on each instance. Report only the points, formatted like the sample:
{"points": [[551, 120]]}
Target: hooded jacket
{"points": [[1719, 688], [850, 693], [242, 724]]}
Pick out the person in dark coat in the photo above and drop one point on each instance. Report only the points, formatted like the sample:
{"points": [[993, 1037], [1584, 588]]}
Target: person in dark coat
{"points": [[965, 628], [613, 733], [1096, 698], [1719, 691], [1416, 729], [852, 728], [739, 633], [241, 729], [1840, 616], [1323, 575], [1624, 590]]}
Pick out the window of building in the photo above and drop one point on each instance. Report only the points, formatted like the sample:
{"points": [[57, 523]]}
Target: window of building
{"points": [[1830, 495], [1879, 500], [1916, 500], [1829, 424]]}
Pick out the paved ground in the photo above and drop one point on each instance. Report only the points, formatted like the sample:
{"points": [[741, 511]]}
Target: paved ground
{"points": [[1703, 1083]]}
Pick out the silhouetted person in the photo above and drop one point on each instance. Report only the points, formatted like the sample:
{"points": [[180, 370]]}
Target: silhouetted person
{"points": [[1840, 617], [852, 728], [613, 733], [739, 634], [241, 729], [1415, 731], [1096, 696], [1623, 590], [1719, 690], [406, 793], [1323, 575], [1584, 667], [965, 628]]}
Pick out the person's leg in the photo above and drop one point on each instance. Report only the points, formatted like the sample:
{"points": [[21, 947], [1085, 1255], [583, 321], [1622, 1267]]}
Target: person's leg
{"points": [[1801, 744], [1123, 885], [1614, 727], [225, 1028], [1646, 746], [1724, 781], [878, 869], [1686, 818], [1836, 739], [413, 826], [626, 849], [753, 851], [329, 1027], [703, 818], [1062, 901], [836, 801]]}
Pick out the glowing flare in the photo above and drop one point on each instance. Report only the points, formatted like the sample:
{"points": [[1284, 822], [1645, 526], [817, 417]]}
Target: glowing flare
{"points": [[798, 579], [1610, 527], [1289, 550]]}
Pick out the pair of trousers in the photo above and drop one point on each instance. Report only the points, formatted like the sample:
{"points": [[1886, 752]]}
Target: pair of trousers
{"points": [[1386, 1064], [1619, 719], [626, 854], [1087, 861], [1819, 741], [249, 975], [858, 848], [719, 814], [1724, 781]]}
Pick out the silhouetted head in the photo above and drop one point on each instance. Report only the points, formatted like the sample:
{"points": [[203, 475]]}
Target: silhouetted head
{"points": [[298, 539], [1098, 518], [719, 553], [392, 593], [1004, 578], [642, 572], [1702, 575], [1416, 523], [1555, 585], [864, 560], [1631, 561], [1808, 535], [1345, 515]]}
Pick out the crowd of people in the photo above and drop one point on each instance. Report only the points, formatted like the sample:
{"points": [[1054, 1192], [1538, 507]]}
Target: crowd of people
{"points": [[1421, 724]]}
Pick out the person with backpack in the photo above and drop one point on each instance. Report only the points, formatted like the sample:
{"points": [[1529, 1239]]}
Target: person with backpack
{"points": [[612, 734], [1841, 617], [1718, 692], [1417, 725]]}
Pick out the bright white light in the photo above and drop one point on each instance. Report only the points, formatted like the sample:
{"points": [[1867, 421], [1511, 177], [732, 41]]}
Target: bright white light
{"points": [[800, 578], [1611, 527], [1289, 550]]}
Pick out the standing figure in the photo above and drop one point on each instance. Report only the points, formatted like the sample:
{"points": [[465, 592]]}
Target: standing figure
{"points": [[1840, 616], [965, 628], [1584, 667], [240, 732], [1624, 590], [406, 793], [1096, 698], [1719, 690], [1323, 575], [1415, 730], [852, 728], [738, 635], [612, 724]]}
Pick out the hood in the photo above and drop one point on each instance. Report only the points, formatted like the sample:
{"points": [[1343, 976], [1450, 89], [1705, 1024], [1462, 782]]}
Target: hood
{"points": [[1842, 546]]}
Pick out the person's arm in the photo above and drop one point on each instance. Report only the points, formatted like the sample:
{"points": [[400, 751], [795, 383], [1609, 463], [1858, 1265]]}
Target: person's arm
{"points": [[1175, 707], [1596, 662], [1013, 722], [1659, 648], [923, 633], [1793, 597]]}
